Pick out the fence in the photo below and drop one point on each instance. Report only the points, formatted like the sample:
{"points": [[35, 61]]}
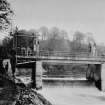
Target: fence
{"points": [[83, 54]]}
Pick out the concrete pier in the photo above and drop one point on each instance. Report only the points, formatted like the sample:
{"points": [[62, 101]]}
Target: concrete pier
{"points": [[97, 76], [95, 72], [38, 76], [103, 77]]}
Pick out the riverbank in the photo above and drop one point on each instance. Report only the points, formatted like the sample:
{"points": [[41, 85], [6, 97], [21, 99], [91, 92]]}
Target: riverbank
{"points": [[13, 94]]}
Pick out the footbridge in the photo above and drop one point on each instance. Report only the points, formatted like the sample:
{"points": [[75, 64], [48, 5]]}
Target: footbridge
{"points": [[35, 60], [62, 57]]}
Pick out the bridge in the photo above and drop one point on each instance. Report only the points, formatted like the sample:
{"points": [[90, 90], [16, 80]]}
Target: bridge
{"points": [[34, 60], [62, 57]]}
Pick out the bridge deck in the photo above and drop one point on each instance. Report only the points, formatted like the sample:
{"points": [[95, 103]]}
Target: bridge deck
{"points": [[63, 60]]}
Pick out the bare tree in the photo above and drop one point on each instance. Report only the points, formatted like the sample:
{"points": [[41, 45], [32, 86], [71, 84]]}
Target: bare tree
{"points": [[63, 34], [90, 38], [78, 40], [78, 36], [44, 32], [54, 33]]}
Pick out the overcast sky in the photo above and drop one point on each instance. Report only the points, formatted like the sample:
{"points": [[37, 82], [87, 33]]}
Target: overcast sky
{"points": [[72, 15]]}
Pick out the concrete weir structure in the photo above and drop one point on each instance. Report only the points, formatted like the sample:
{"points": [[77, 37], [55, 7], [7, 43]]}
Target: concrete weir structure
{"points": [[103, 77], [36, 75], [95, 71]]}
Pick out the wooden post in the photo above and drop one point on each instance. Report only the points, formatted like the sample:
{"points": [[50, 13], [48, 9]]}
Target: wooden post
{"points": [[103, 77]]}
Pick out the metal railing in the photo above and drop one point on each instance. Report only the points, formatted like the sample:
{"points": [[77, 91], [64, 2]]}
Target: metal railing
{"points": [[83, 54]]}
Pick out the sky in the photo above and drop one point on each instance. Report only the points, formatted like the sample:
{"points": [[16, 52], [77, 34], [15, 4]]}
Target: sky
{"points": [[71, 15]]}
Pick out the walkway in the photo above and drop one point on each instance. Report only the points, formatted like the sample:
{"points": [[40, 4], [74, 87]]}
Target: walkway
{"points": [[59, 57], [62, 60]]}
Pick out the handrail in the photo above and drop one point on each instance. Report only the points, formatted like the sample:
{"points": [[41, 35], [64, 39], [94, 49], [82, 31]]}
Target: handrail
{"points": [[60, 54]]}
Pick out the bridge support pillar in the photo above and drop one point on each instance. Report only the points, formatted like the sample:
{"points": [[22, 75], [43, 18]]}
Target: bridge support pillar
{"points": [[97, 76], [90, 72], [33, 75], [37, 75], [39, 70], [94, 75], [103, 77]]}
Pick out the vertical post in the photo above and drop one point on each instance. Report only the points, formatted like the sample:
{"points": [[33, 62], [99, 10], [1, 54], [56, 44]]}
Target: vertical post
{"points": [[16, 46], [97, 76], [103, 77], [39, 70], [33, 78], [37, 75], [90, 72]]}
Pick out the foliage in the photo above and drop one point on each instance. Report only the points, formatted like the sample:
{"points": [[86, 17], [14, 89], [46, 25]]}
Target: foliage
{"points": [[55, 45], [31, 97], [78, 36], [44, 32], [64, 34], [78, 40], [5, 14], [5, 23], [8, 42], [22, 38], [54, 33], [90, 37]]}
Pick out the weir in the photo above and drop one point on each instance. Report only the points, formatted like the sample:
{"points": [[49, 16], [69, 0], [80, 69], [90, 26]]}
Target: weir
{"points": [[96, 71]]}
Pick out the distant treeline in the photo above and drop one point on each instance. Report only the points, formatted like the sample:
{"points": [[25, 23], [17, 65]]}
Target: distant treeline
{"points": [[52, 39]]}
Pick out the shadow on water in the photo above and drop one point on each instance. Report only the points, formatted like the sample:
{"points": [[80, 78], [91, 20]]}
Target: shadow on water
{"points": [[100, 98], [68, 83]]}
